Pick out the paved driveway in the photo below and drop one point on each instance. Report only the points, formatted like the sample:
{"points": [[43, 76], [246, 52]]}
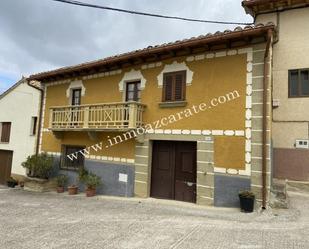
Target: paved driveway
{"points": [[49, 220]]}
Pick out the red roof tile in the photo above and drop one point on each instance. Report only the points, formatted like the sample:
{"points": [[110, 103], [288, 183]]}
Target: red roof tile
{"points": [[237, 33]]}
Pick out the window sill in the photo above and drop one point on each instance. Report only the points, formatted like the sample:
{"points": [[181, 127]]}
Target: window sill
{"points": [[172, 104], [298, 97], [4, 142]]}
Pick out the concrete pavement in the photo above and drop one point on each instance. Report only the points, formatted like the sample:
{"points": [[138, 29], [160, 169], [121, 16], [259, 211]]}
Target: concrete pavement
{"points": [[50, 220]]}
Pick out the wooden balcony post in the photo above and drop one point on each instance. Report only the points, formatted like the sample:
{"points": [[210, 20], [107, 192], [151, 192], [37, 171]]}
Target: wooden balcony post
{"points": [[86, 117], [132, 115], [50, 121]]}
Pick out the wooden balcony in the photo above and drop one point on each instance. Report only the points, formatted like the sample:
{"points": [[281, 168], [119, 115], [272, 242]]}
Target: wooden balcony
{"points": [[97, 117]]}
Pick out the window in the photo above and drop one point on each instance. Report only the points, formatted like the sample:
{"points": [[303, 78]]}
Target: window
{"points": [[5, 132], [77, 158], [299, 83], [174, 86], [76, 96], [34, 121], [133, 91]]}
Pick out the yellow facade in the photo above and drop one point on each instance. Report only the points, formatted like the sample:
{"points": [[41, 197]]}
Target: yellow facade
{"points": [[211, 78]]}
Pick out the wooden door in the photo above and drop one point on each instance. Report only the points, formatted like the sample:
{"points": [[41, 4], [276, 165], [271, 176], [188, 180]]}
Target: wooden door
{"points": [[5, 165], [185, 171], [163, 165], [174, 170]]}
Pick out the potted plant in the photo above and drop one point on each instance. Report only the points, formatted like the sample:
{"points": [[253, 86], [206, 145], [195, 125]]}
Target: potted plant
{"points": [[246, 199], [91, 181], [12, 183], [61, 182], [73, 189], [82, 174]]}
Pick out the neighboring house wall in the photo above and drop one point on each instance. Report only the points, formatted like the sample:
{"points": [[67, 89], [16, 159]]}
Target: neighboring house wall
{"points": [[229, 136], [18, 106], [291, 118]]}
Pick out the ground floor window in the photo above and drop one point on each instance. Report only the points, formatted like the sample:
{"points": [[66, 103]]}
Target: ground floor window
{"points": [[75, 160]]}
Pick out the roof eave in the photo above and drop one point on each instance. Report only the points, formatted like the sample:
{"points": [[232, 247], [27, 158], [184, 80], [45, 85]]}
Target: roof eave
{"points": [[22, 80], [153, 51], [253, 7]]}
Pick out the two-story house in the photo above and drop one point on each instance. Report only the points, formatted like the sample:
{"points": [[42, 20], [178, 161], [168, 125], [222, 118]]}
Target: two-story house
{"points": [[200, 110], [290, 100], [19, 112]]}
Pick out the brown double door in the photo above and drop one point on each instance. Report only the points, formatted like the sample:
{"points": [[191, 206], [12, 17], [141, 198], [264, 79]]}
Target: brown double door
{"points": [[5, 165], [174, 170]]}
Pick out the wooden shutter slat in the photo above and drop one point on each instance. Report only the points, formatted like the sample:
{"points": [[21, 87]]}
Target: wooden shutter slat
{"points": [[168, 88], [179, 86], [174, 85]]}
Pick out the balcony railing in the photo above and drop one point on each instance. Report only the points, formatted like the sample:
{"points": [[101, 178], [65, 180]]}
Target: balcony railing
{"points": [[110, 116]]}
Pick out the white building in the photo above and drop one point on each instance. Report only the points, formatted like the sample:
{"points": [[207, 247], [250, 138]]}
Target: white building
{"points": [[290, 84], [19, 112]]}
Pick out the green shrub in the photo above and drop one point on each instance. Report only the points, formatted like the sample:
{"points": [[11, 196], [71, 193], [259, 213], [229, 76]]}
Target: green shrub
{"points": [[62, 180], [39, 166], [92, 180], [82, 174]]}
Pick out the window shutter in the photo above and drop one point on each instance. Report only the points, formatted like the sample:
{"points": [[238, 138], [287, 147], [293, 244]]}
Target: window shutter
{"points": [[168, 88], [179, 86], [6, 131]]}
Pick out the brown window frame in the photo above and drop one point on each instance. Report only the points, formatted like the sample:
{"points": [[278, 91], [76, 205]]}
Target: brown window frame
{"points": [[299, 84], [5, 132], [183, 92], [136, 90], [74, 90], [66, 163], [34, 123]]}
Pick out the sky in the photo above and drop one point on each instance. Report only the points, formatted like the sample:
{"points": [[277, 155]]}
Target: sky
{"points": [[41, 35]]}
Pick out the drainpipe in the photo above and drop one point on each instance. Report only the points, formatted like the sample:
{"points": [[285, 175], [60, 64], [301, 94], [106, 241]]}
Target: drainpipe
{"points": [[40, 117], [264, 141]]}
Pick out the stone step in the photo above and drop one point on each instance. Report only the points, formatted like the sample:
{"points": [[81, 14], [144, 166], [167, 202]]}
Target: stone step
{"points": [[298, 186], [278, 195], [279, 187], [39, 185]]}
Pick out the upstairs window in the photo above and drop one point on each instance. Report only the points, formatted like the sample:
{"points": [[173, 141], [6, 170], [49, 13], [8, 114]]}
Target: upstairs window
{"points": [[76, 96], [299, 83], [174, 86], [5, 128], [133, 91], [34, 121], [77, 158]]}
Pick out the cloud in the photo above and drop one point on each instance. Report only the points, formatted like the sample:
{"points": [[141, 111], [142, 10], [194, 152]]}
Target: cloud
{"points": [[40, 35]]}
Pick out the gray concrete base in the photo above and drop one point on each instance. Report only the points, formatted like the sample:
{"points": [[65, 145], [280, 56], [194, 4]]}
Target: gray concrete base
{"points": [[110, 176], [227, 189]]}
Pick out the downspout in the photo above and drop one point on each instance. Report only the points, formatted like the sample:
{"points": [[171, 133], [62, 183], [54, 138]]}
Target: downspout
{"points": [[40, 117], [264, 139]]}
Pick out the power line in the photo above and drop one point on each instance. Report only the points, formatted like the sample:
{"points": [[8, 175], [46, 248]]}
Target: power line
{"points": [[73, 2]]}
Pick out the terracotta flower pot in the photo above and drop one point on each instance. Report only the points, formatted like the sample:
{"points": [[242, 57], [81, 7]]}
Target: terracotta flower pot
{"points": [[72, 190], [90, 192], [60, 189]]}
